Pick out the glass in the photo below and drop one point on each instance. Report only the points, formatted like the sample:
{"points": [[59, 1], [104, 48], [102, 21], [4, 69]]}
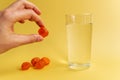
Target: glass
{"points": [[79, 35]]}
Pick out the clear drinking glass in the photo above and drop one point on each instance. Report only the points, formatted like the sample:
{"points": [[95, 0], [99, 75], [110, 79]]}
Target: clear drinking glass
{"points": [[79, 36]]}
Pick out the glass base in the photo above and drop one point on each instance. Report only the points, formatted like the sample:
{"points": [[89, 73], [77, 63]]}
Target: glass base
{"points": [[79, 66]]}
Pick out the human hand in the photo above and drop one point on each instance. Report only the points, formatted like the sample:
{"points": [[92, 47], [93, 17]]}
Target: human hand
{"points": [[19, 11]]}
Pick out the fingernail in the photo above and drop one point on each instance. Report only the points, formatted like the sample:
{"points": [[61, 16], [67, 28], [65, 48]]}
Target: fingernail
{"points": [[38, 38]]}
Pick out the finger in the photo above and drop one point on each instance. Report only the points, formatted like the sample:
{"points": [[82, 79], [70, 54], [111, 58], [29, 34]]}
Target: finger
{"points": [[26, 39], [24, 4], [29, 5], [28, 15]]}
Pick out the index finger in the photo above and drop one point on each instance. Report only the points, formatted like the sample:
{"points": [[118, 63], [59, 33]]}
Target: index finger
{"points": [[28, 15]]}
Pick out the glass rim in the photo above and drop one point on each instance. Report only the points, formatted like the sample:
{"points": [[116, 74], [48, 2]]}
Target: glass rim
{"points": [[79, 14]]}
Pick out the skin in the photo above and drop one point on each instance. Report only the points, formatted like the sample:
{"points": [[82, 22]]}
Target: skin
{"points": [[18, 11]]}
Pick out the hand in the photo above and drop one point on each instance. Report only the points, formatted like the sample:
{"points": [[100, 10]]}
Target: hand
{"points": [[19, 11]]}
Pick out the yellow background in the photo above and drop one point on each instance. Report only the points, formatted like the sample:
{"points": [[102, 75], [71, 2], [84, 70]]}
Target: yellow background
{"points": [[105, 43]]}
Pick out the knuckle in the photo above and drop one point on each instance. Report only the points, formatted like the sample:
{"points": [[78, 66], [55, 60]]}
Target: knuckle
{"points": [[6, 14]]}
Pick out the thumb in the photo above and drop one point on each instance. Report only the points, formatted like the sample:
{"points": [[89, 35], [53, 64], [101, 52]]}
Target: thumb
{"points": [[26, 39]]}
